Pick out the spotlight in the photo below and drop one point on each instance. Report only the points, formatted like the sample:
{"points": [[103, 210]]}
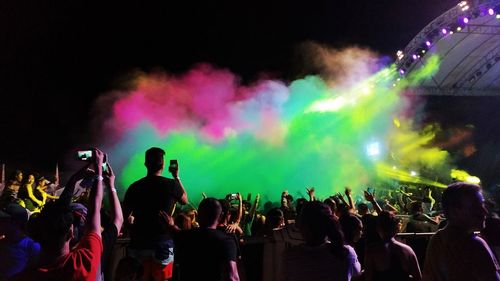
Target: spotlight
{"points": [[428, 43], [444, 31], [415, 57], [459, 28], [466, 20], [491, 12], [400, 55], [373, 149], [402, 71], [413, 173]]}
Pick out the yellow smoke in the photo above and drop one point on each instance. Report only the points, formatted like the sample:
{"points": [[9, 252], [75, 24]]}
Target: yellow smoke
{"points": [[464, 176]]}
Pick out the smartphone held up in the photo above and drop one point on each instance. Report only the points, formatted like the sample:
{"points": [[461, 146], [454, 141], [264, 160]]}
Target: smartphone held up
{"points": [[88, 155], [174, 165]]}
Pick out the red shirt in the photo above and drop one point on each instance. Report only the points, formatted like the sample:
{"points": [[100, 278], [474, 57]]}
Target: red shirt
{"points": [[81, 264]]}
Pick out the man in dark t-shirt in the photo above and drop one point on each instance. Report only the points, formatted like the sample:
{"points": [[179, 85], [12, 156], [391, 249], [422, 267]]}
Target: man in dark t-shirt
{"points": [[143, 201], [206, 253]]}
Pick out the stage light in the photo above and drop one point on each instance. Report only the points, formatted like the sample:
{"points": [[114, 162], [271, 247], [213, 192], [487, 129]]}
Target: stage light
{"points": [[415, 57], [428, 43], [402, 71], [466, 20], [413, 173], [394, 167], [451, 32], [491, 12], [400, 55], [444, 31], [373, 149], [459, 28], [498, 16]]}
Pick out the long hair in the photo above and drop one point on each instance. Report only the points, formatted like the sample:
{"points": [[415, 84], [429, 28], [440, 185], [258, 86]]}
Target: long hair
{"points": [[317, 220]]}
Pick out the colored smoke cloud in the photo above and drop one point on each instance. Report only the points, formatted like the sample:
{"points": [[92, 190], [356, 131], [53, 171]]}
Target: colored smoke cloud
{"points": [[269, 135]]}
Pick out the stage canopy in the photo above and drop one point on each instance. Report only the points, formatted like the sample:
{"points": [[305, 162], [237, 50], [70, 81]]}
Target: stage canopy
{"points": [[467, 41]]}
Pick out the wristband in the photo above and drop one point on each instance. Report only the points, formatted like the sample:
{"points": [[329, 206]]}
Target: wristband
{"points": [[113, 189], [99, 178]]}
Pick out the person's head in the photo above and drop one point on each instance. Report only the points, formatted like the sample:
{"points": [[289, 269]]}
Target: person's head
{"points": [[209, 212], [41, 182], [351, 227], [192, 214], [363, 209], [342, 210], [30, 179], [129, 269], [275, 219], [387, 225], [299, 205], [331, 203], [15, 177], [79, 212], [416, 207], [53, 227], [183, 221], [317, 225], [154, 161], [463, 206]]}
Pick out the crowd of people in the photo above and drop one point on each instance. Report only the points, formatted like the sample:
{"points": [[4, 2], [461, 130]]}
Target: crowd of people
{"points": [[47, 233]]}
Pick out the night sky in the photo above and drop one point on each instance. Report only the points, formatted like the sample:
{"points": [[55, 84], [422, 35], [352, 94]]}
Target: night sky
{"points": [[56, 57]]}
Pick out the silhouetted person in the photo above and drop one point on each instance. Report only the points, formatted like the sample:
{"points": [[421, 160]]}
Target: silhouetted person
{"points": [[144, 200], [206, 253], [324, 256], [455, 252], [388, 259]]}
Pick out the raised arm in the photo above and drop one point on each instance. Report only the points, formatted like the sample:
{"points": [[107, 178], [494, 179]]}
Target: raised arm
{"points": [[95, 201], [175, 174], [390, 207], [348, 194], [114, 202], [370, 197], [310, 192], [255, 205], [240, 209]]}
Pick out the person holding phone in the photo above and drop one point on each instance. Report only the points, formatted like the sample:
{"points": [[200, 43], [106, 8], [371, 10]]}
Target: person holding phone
{"points": [[144, 200]]}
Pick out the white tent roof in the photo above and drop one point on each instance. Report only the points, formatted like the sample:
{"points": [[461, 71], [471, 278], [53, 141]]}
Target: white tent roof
{"points": [[469, 51]]}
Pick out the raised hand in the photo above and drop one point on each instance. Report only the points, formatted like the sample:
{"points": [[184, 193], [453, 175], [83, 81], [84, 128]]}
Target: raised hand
{"points": [[369, 196]]}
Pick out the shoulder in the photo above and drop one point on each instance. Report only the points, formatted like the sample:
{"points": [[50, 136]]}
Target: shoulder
{"points": [[90, 241], [403, 247], [479, 247], [133, 186], [350, 251]]}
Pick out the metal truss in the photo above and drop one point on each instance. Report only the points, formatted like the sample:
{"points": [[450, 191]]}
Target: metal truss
{"points": [[434, 91]]}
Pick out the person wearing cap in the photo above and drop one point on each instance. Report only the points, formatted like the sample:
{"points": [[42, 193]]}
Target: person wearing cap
{"points": [[17, 250], [144, 200], [53, 229]]}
